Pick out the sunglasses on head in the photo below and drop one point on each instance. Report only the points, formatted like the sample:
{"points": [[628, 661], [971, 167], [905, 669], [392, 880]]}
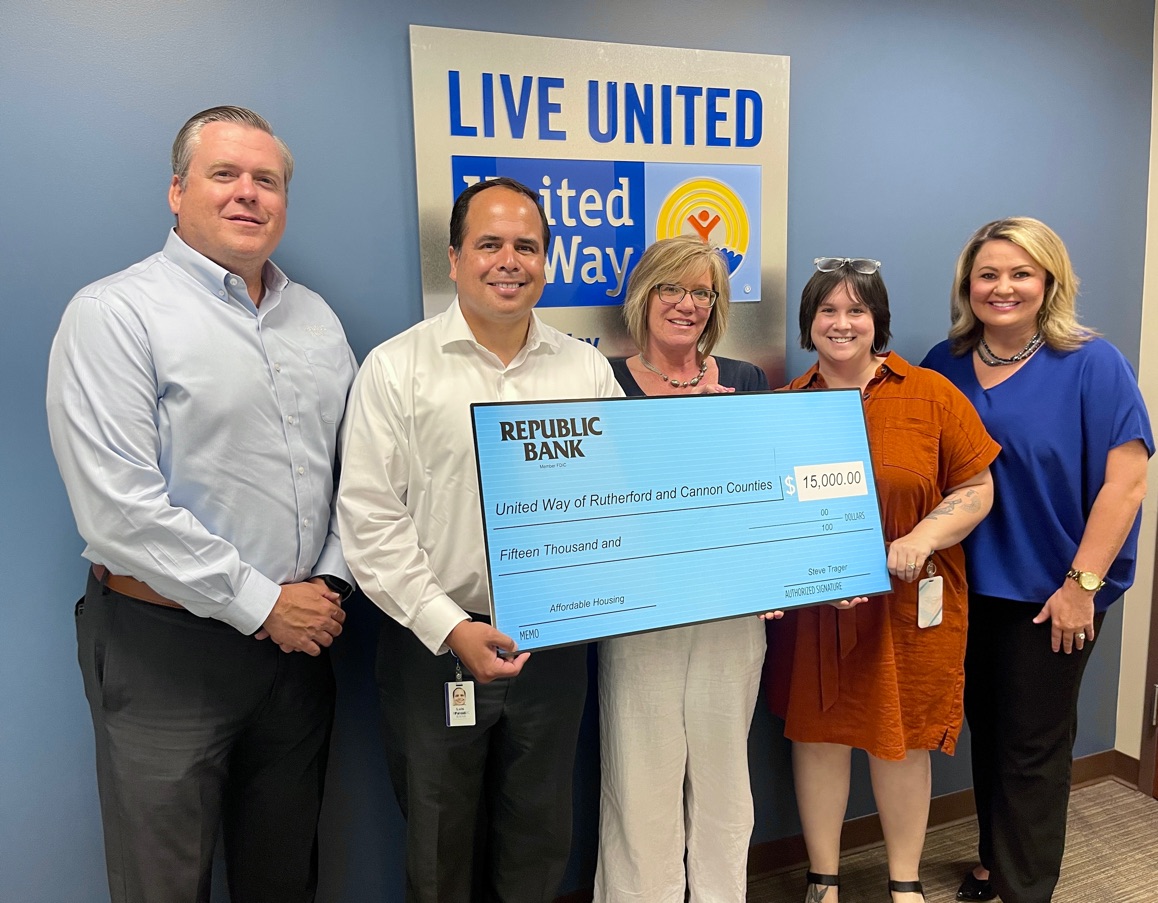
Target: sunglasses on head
{"points": [[862, 265]]}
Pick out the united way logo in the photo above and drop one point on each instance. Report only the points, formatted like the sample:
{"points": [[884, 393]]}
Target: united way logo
{"points": [[711, 210], [716, 202]]}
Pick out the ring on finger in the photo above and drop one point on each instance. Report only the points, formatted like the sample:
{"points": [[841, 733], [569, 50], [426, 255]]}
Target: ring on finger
{"points": [[1080, 636]]}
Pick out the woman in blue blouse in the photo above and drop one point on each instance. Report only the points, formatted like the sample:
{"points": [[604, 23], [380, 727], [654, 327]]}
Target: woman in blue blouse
{"points": [[1057, 549]]}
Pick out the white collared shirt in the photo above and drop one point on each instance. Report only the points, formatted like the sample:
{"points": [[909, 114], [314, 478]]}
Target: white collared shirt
{"points": [[408, 505]]}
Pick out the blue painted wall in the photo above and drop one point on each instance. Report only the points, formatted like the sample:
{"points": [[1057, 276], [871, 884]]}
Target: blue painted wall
{"points": [[912, 122]]}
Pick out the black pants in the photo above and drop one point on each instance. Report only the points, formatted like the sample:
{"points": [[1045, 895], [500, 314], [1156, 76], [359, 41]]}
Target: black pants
{"points": [[487, 808], [198, 726], [1021, 700]]}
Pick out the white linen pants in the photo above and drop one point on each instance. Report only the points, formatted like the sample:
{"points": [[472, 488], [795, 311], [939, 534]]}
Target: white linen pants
{"points": [[675, 707]]}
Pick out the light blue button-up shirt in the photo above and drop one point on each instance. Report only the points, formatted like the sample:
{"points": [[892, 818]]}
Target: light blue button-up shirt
{"points": [[197, 433]]}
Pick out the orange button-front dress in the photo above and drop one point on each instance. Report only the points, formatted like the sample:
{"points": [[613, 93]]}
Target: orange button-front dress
{"points": [[869, 677]]}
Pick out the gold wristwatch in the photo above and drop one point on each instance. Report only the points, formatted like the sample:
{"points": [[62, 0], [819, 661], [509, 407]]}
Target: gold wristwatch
{"points": [[1087, 580]]}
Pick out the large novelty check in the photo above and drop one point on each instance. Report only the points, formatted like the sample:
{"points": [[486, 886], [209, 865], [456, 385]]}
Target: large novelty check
{"points": [[618, 516]]}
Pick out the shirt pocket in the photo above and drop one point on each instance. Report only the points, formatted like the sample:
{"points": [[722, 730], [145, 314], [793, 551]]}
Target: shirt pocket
{"points": [[330, 366], [913, 445]]}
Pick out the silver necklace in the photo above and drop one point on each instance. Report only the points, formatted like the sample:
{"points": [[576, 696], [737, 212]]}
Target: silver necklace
{"points": [[992, 360], [675, 383]]}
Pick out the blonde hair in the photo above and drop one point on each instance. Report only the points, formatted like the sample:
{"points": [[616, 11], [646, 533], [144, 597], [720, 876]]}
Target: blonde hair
{"points": [[670, 260], [1057, 319]]}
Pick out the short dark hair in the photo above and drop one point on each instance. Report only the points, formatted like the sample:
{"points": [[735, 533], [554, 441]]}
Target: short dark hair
{"points": [[869, 290], [462, 207]]}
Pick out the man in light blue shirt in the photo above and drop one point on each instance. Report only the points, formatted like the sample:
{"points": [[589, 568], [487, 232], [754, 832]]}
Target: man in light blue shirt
{"points": [[194, 401]]}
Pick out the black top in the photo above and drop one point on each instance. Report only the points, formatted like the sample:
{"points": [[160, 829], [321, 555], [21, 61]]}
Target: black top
{"points": [[739, 375]]}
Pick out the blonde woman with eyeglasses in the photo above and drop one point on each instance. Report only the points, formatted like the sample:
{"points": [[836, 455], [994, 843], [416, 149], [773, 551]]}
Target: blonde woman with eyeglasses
{"points": [[675, 705], [886, 675]]}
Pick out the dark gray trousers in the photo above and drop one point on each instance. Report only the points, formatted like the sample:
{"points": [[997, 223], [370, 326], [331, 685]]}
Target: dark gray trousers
{"points": [[1021, 700], [487, 808], [197, 728]]}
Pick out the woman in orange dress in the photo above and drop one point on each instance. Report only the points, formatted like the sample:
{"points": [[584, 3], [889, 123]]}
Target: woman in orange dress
{"points": [[885, 676]]}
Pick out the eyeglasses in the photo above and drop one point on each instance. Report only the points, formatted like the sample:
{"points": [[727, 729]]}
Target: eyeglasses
{"points": [[669, 293], [862, 265]]}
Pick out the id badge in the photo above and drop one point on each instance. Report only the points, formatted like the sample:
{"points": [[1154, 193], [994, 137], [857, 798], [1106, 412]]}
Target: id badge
{"points": [[460, 703], [929, 605]]}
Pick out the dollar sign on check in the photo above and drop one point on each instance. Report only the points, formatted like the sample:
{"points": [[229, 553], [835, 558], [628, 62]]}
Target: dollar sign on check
{"points": [[791, 486]]}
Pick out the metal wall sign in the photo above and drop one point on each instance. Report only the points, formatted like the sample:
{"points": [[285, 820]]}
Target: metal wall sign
{"points": [[625, 144]]}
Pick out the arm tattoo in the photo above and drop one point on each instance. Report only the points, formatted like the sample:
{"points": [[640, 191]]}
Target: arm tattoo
{"points": [[816, 893], [966, 500]]}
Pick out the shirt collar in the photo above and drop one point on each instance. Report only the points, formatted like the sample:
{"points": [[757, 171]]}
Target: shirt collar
{"points": [[537, 335], [214, 277], [892, 365], [456, 330], [896, 365]]}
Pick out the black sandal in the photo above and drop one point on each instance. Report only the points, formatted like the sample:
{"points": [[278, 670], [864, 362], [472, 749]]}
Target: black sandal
{"points": [[906, 887], [822, 881]]}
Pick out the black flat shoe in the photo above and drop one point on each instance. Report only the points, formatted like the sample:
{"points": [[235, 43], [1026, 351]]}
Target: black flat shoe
{"points": [[973, 888]]}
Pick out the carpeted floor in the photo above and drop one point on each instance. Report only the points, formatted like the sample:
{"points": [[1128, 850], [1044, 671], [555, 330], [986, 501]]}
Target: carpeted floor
{"points": [[1111, 854]]}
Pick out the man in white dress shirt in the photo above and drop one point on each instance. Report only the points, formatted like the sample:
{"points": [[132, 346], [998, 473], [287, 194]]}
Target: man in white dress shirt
{"points": [[487, 804]]}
